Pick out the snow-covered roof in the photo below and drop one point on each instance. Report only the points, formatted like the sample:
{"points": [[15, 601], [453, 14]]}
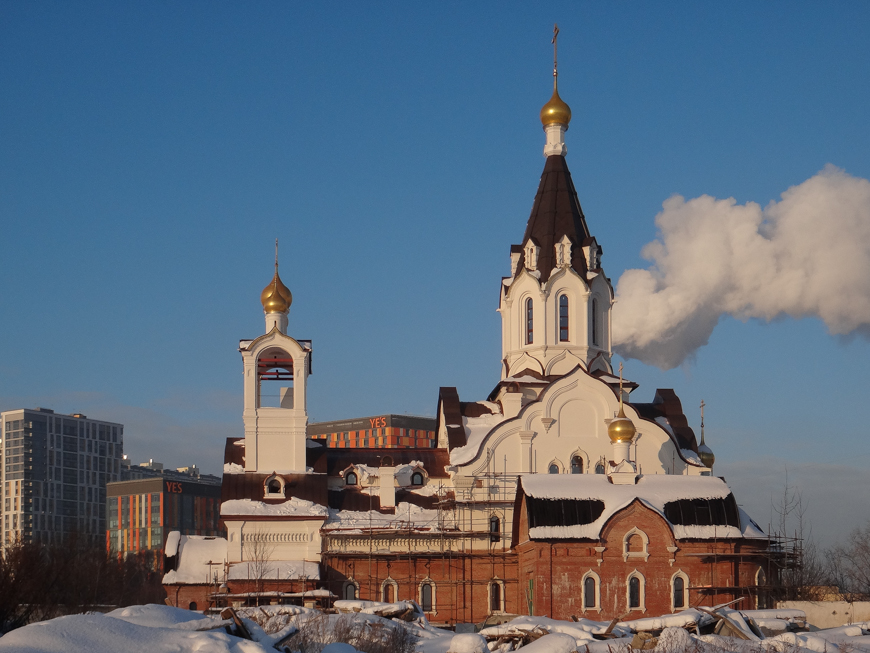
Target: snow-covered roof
{"points": [[407, 515], [654, 491], [476, 429], [291, 508], [201, 557]]}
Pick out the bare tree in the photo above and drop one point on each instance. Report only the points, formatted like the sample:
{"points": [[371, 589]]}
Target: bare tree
{"points": [[850, 564], [257, 552]]}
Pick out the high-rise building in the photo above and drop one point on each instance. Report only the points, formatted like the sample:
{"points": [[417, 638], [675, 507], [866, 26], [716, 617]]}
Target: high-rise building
{"points": [[54, 474], [381, 431]]}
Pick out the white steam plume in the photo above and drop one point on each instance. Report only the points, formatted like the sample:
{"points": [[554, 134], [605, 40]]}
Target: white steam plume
{"points": [[807, 255]]}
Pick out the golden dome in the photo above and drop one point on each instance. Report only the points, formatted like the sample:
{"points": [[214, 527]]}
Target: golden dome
{"points": [[555, 111], [276, 297], [621, 429]]}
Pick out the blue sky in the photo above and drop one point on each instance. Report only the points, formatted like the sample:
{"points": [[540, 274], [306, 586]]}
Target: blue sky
{"points": [[150, 153]]}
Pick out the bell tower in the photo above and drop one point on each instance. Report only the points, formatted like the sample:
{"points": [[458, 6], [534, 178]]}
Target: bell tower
{"points": [[555, 305], [276, 368]]}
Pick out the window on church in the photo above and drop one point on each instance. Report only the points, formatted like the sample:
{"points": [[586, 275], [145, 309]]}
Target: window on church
{"points": [[563, 318], [389, 593], [426, 597], [634, 593], [554, 468], [599, 468], [387, 461], [494, 529], [576, 465], [595, 320], [417, 478], [679, 592], [350, 478], [274, 486], [350, 592], [530, 333], [275, 379], [495, 597], [589, 592]]}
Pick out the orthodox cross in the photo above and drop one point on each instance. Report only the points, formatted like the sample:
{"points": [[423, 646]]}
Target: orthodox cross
{"points": [[555, 58], [620, 365], [276, 255], [702, 414]]}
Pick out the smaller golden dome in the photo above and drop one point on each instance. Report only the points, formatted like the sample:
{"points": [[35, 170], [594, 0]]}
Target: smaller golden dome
{"points": [[621, 429], [276, 297], [556, 111], [706, 455]]}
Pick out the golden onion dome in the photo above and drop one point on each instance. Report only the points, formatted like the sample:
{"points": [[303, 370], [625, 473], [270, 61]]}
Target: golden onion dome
{"points": [[621, 429], [276, 297], [556, 111], [706, 455]]}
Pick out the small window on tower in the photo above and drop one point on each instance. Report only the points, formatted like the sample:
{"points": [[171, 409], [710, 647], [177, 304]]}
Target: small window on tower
{"points": [[530, 332], [563, 318], [350, 478]]}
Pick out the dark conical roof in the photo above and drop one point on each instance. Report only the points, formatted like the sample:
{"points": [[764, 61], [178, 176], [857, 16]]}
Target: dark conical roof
{"points": [[556, 213]]}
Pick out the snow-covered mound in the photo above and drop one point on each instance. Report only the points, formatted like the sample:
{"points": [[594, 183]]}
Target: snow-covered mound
{"points": [[97, 633], [156, 616]]}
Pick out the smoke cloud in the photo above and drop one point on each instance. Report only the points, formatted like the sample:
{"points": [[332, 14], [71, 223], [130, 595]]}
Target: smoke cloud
{"points": [[807, 255]]}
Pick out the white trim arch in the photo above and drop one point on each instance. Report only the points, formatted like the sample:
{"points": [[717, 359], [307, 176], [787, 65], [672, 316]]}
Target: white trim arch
{"points": [[557, 464], [643, 553], [584, 461], [641, 593], [681, 575], [595, 604]]}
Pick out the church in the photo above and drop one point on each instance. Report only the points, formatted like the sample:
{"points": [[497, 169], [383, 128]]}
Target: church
{"points": [[558, 494]]}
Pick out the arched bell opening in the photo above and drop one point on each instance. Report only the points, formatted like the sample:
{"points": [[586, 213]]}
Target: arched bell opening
{"points": [[274, 379]]}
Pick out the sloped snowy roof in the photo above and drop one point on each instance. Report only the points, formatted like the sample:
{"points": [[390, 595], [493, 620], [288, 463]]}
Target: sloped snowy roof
{"points": [[197, 551], [654, 491], [476, 429], [407, 515]]}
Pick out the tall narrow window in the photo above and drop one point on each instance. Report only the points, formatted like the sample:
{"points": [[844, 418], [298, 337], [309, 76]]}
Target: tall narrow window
{"points": [[350, 592], [495, 597], [389, 593], [426, 597], [589, 592], [634, 593], [494, 529], [563, 318], [576, 465], [679, 592], [595, 334], [530, 332]]}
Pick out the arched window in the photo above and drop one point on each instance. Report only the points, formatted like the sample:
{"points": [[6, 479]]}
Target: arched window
{"points": [[274, 379], [387, 461], [350, 591], [633, 593], [274, 486], [634, 544], [553, 469], [495, 597], [426, 593], [576, 465], [679, 593], [599, 468], [389, 591], [595, 334], [417, 478], [494, 529], [191, 605], [350, 478], [530, 331], [563, 318], [590, 592]]}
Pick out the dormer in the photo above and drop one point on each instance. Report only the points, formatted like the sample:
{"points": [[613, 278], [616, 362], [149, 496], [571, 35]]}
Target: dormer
{"points": [[592, 252], [532, 252], [563, 252], [273, 487]]}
